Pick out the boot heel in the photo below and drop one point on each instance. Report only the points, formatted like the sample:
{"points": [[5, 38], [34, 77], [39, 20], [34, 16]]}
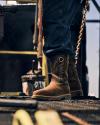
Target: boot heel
{"points": [[68, 97]]}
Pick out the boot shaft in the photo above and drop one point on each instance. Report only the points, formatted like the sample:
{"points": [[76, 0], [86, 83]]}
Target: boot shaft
{"points": [[59, 68], [73, 79]]}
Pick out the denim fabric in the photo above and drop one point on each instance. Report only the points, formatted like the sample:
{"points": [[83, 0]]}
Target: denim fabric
{"points": [[58, 16]]}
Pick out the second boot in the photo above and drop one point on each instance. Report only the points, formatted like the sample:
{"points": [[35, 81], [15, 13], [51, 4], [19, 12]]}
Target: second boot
{"points": [[73, 79]]}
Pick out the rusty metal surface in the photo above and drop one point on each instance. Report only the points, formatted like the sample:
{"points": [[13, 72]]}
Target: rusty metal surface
{"points": [[86, 110], [66, 105], [71, 105]]}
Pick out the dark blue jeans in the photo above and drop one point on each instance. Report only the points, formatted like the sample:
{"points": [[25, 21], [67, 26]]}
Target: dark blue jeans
{"points": [[58, 17]]}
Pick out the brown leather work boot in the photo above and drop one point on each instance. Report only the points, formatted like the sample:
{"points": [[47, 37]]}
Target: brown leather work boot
{"points": [[58, 88], [73, 79]]}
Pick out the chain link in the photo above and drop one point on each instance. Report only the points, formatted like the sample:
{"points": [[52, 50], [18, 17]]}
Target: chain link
{"points": [[81, 31]]}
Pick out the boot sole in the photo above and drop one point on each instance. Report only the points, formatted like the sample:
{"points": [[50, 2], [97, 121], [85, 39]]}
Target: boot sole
{"points": [[51, 98], [76, 93]]}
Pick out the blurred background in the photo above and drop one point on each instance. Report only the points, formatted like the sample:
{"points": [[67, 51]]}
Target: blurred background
{"points": [[92, 46]]}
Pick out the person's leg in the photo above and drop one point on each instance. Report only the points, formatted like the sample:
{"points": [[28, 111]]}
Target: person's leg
{"points": [[57, 19]]}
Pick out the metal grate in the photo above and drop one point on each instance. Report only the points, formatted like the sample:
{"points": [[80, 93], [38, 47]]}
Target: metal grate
{"points": [[85, 111], [71, 105]]}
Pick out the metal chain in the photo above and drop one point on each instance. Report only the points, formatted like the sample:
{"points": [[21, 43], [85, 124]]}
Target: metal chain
{"points": [[81, 31]]}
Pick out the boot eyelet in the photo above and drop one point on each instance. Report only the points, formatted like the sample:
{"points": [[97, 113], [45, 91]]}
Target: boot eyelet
{"points": [[61, 59]]}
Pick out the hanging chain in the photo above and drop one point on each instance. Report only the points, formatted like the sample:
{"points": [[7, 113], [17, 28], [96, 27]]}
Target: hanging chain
{"points": [[81, 31]]}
